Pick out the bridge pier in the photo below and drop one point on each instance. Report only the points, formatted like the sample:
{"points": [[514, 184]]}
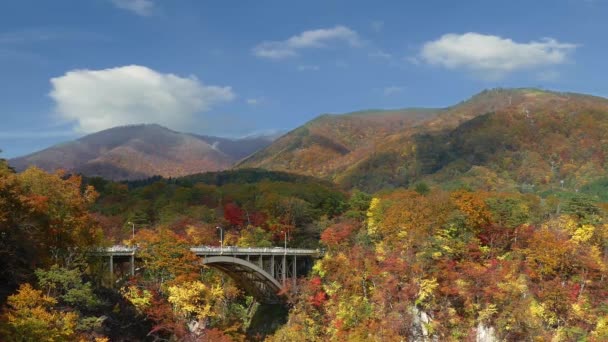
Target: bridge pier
{"points": [[272, 265], [284, 269], [294, 274], [112, 269], [117, 263]]}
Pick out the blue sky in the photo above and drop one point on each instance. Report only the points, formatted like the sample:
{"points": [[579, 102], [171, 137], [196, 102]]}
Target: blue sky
{"points": [[232, 68]]}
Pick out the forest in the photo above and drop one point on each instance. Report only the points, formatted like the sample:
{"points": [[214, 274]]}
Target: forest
{"points": [[424, 263]]}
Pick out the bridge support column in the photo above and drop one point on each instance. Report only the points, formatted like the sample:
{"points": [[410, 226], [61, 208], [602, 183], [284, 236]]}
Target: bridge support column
{"points": [[112, 269], [295, 272], [272, 265], [133, 264], [261, 262], [284, 269]]}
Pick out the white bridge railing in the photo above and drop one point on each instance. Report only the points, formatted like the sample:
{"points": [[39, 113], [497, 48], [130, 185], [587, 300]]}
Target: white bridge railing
{"points": [[119, 250], [212, 250]]}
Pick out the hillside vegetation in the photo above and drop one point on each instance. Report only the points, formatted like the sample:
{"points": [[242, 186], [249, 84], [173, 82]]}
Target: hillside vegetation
{"points": [[497, 140], [459, 266], [329, 143]]}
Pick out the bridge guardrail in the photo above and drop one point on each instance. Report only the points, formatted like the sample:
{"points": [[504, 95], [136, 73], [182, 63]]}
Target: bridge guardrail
{"points": [[253, 250], [128, 250]]}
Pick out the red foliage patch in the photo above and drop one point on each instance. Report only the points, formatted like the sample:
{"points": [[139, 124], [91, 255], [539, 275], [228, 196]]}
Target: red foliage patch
{"points": [[234, 214], [337, 234]]}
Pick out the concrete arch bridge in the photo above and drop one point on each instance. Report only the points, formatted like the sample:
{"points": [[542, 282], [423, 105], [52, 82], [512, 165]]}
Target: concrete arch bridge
{"points": [[261, 272]]}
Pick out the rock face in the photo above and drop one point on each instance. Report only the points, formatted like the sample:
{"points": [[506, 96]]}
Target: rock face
{"points": [[420, 332], [141, 151], [485, 334]]}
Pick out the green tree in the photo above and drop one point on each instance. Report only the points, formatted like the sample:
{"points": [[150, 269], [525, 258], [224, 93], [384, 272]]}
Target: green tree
{"points": [[67, 285], [358, 204]]}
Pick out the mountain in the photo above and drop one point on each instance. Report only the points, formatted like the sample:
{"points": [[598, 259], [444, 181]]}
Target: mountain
{"points": [[501, 139], [141, 151], [329, 143]]}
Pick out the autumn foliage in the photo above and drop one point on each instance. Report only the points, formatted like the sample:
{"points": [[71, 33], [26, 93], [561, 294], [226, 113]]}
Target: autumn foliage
{"points": [[447, 265], [424, 263]]}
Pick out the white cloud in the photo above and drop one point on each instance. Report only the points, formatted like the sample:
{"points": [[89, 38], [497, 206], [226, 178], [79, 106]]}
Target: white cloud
{"points": [[100, 99], [493, 56], [139, 7], [312, 39], [392, 90], [308, 68]]}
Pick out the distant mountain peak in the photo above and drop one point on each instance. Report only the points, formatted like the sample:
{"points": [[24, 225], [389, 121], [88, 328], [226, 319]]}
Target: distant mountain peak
{"points": [[140, 151]]}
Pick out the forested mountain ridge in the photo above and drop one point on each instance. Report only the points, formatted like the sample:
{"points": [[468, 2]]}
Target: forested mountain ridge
{"points": [[141, 151], [327, 144], [330, 143], [541, 139], [498, 138]]}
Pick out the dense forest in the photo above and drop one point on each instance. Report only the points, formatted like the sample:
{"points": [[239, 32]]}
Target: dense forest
{"points": [[55, 288], [424, 263]]}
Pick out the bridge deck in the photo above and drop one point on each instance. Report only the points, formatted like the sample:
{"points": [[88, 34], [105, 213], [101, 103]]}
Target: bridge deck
{"points": [[120, 250]]}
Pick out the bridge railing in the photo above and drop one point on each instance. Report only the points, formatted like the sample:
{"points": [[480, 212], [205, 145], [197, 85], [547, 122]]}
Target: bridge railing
{"points": [[207, 250], [253, 250]]}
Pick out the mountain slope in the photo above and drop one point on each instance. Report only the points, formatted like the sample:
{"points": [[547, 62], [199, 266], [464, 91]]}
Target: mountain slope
{"points": [[329, 143], [504, 138], [140, 151], [535, 143]]}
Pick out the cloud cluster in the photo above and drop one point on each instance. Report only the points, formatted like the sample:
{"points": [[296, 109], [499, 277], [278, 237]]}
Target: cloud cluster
{"points": [[306, 40], [100, 99], [139, 7], [493, 56]]}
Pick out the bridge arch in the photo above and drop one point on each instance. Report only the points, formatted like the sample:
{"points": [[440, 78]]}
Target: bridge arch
{"points": [[250, 277]]}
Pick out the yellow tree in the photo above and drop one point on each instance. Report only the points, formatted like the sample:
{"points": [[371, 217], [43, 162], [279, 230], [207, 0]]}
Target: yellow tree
{"points": [[196, 301], [473, 206], [30, 317], [406, 218]]}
